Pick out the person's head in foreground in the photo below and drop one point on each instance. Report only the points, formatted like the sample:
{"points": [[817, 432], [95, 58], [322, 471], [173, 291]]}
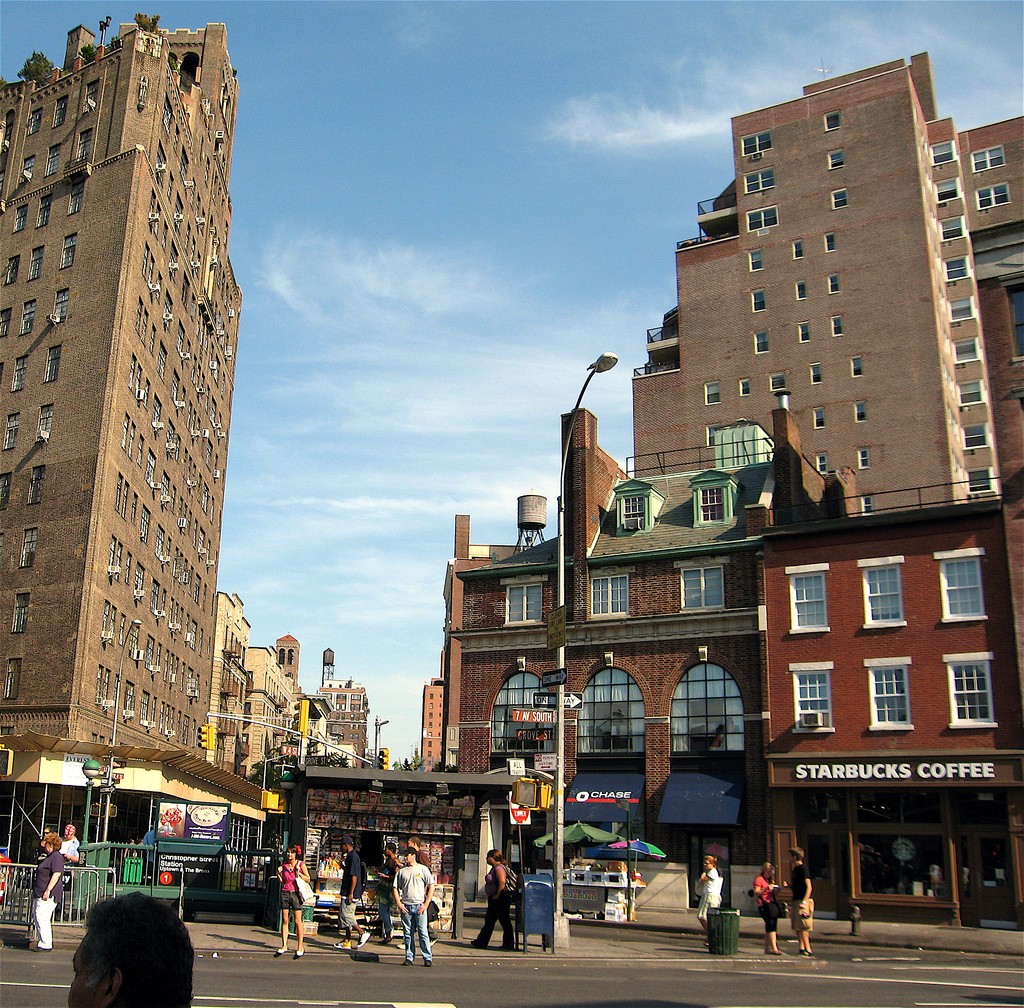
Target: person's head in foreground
{"points": [[135, 954]]}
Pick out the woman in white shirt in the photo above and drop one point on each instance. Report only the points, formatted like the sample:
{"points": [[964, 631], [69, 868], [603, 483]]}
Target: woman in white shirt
{"points": [[710, 889]]}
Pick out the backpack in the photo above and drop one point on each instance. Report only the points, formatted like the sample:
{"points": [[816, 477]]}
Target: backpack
{"points": [[513, 883]]}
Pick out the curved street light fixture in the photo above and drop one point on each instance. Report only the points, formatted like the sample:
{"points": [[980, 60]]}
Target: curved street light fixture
{"points": [[108, 787], [560, 938]]}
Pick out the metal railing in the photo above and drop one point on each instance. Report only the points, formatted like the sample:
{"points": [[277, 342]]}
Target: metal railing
{"points": [[82, 888]]}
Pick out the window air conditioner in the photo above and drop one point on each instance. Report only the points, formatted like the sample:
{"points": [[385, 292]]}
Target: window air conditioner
{"points": [[219, 135], [154, 485], [813, 719], [195, 432], [55, 318], [214, 261], [196, 264], [154, 217], [107, 704], [216, 474], [140, 594], [183, 523], [191, 483], [138, 655], [140, 395], [26, 175], [756, 156], [189, 184], [190, 638], [231, 313], [166, 499], [200, 222], [154, 288], [632, 523], [43, 435], [160, 167], [148, 724], [202, 551], [107, 636], [222, 434], [178, 218], [90, 104], [228, 353], [168, 316], [114, 570], [128, 714], [193, 692], [200, 390], [174, 627], [158, 425], [206, 431], [171, 677], [179, 404], [163, 558]]}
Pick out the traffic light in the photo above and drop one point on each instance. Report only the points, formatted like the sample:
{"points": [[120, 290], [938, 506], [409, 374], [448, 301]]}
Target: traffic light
{"points": [[272, 801], [384, 759], [6, 762], [208, 737], [531, 794]]}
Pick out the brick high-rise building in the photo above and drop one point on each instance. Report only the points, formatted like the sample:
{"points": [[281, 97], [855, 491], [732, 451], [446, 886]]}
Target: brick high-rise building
{"points": [[839, 264], [118, 325]]}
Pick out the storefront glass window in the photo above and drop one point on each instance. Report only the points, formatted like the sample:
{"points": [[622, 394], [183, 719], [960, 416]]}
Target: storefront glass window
{"points": [[821, 806], [898, 807], [905, 864], [981, 808]]}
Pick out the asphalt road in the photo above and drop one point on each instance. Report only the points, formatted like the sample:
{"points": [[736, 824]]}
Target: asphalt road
{"points": [[638, 972]]}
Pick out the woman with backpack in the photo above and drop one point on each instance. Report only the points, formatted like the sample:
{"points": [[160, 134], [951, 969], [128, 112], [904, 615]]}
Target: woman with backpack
{"points": [[768, 907], [498, 888]]}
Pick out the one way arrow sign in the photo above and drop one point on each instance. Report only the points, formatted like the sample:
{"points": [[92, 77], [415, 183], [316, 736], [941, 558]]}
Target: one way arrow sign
{"points": [[570, 702]]}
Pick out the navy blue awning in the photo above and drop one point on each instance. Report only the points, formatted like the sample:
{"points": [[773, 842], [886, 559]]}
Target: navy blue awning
{"points": [[595, 797], [702, 798]]}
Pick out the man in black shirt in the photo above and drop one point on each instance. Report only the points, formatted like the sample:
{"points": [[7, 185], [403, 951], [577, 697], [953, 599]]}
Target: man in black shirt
{"points": [[802, 911], [351, 893]]}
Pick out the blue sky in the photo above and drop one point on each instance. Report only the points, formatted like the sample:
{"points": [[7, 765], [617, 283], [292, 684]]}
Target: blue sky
{"points": [[442, 213]]}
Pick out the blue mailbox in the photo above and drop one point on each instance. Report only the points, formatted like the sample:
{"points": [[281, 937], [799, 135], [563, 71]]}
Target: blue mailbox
{"points": [[537, 909]]}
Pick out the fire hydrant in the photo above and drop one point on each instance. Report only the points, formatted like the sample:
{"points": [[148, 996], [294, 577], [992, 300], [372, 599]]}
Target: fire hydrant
{"points": [[854, 919]]}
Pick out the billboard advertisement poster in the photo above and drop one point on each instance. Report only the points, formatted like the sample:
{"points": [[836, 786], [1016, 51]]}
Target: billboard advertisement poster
{"points": [[207, 821]]}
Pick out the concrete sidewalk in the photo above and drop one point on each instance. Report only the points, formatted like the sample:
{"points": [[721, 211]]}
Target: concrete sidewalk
{"points": [[594, 939]]}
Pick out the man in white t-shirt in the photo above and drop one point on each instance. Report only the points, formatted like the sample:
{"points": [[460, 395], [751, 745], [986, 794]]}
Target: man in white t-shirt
{"points": [[414, 889], [710, 885]]}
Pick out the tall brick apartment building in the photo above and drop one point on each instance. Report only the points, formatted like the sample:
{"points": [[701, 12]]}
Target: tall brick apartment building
{"points": [[118, 326]]}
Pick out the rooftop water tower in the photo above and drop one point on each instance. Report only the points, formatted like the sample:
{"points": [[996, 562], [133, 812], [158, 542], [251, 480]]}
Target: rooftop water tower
{"points": [[533, 517]]}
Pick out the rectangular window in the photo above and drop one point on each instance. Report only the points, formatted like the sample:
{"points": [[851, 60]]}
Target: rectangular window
{"points": [[833, 283], [52, 370], [798, 249], [60, 303], [984, 159], [764, 218], [28, 317], [5, 322], [961, 310], [35, 266], [35, 485], [956, 269], [803, 332], [971, 393], [758, 301], [712, 504], [11, 272], [45, 427], [952, 227], [609, 595], [867, 504], [84, 145], [43, 217], [1017, 311], [20, 217], [837, 325], [943, 153], [19, 624], [67, 256], [821, 462], [890, 696], [703, 588], [5, 489], [966, 350], [75, 199], [744, 386], [634, 512], [524, 603], [777, 382], [970, 689], [960, 580], [28, 166], [28, 547], [863, 458], [12, 682], [801, 290], [53, 159], [756, 260], [60, 110], [819, 417], [757, 143], [18, 378], [860, 412], [813, 699], [816, 374], [976, 436], [759, 181], [836, 159], [808, 610], [993, 196], [883, 592], [11, 430], [833, 120], [979, 481], [839, 199], [760, 342], [830, 242], [947, 189], [712, 393]]}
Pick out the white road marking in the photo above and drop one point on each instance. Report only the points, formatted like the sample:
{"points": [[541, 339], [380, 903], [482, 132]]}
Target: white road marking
{"points": [[877, 980]]}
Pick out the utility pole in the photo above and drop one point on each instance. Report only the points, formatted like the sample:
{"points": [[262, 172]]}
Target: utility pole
{"points": [[377, 725]]}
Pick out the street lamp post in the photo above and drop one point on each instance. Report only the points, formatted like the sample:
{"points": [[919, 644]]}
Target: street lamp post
{"points": [[92, 771], [561, 936], [108, 788], [377, 725]]}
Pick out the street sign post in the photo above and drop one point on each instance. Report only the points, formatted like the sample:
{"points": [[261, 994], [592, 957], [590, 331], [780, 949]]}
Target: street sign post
{"points": [[571, 701], [533, 716], [556, 628]]}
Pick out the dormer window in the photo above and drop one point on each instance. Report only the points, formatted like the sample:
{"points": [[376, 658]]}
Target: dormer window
{"points": [[636, 507], [714, 497]]}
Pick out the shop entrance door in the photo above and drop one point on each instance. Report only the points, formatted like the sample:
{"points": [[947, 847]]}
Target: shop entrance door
{"points": [[826, 861], [710, 843], [986, 882]]}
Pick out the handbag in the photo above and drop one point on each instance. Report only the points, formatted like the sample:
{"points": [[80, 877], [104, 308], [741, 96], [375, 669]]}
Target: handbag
{"points": [[305, 890]]}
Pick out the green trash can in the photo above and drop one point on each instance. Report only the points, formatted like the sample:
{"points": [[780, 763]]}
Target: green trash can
{"points": [[723, 932]]}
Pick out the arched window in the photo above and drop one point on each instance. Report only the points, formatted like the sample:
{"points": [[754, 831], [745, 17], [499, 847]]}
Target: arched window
{"points": [[291, 656], [280, 656], [612, 716], [707, 712], [508, 735]]}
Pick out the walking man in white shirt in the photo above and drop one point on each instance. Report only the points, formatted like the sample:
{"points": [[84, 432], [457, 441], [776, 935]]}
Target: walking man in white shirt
{"points": [[414, 889]]}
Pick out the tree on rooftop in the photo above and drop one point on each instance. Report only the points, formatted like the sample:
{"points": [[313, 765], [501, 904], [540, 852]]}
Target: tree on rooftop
{"points": [[37, 68], [148, 22]]}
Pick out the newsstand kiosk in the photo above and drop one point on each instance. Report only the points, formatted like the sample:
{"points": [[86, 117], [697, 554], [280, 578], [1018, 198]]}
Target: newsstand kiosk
{"points": [[376, 806]]}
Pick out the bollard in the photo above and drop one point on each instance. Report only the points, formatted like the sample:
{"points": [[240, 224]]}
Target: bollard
{"points": [[854, 919]]}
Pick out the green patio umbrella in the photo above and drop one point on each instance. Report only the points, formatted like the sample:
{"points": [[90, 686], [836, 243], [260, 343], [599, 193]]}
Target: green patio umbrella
{"points": [[578, 833]]}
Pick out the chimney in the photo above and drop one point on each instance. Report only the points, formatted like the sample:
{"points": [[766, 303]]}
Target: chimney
{"points": [[77, 38], [797, 482], [462, 537]]}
